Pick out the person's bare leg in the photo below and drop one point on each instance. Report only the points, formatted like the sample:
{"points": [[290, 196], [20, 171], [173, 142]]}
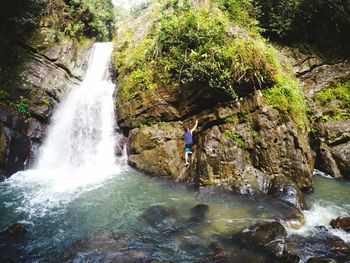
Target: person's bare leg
{"points": [[186, 158]]}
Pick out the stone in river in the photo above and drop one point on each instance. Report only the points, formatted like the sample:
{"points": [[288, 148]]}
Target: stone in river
{"points": [[341, 223]]}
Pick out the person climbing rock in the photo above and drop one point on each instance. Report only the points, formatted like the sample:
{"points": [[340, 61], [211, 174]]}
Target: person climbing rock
{"points": [[189, 142]]}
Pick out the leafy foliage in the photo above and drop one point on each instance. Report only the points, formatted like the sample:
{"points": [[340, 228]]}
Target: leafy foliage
{"points": [[81, 17], [287, 98], [336, 99], [21, 106], [322, 23], [193, 45], [234, 137]]}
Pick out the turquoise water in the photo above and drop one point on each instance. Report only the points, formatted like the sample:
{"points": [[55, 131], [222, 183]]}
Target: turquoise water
{"points": [[116, 205]]}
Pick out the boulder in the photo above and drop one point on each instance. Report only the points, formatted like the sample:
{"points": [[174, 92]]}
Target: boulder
{"points": [[286, 190], [341, 223], [269, 237]]}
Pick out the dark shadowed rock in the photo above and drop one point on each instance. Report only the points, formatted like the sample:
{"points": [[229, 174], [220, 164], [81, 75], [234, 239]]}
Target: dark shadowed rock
{"points": [[321, 260], [109, 247], [160, 218], [269, 237], [14, 145], [14, 230], [286, 190], [12, 241], [198, 214], [341, 223], [2, 178]]}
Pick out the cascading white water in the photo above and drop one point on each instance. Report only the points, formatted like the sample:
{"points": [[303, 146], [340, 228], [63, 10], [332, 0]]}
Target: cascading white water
{"points": [[81, 133], [79, 152]]}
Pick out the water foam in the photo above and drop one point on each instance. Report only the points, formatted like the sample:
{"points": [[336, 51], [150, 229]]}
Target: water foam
{"points": [[320, 215], [79, 152]]}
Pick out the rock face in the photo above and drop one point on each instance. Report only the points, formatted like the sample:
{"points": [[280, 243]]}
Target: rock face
{"points": [[48, 72], [241, 146], [331, 140]]}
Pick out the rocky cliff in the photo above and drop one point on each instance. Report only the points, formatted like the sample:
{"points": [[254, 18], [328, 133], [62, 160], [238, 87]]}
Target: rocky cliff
{"points": [[47, 71], [327, 90], [244, 144]]}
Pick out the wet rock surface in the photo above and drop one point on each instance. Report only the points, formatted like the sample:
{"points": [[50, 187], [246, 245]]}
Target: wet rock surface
{"points": [[269, 239], [47, 73], [14, 143], [341, 223]]}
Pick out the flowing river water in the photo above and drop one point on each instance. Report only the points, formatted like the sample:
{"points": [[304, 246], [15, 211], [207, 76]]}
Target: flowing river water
{"points": [[79, 189]]}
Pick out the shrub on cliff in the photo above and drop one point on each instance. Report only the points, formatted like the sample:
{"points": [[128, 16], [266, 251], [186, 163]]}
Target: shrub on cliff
{"points": [[188, 44]]}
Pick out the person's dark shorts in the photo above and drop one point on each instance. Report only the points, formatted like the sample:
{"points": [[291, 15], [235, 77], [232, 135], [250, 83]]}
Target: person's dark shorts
{"points": [[188, 148]]}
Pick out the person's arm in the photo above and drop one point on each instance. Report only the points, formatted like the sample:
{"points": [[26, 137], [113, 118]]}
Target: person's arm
{"points": [[195, 126]]}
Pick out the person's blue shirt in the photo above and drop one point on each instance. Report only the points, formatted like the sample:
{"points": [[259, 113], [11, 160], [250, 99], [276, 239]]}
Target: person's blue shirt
{"points": [[188, 137]]}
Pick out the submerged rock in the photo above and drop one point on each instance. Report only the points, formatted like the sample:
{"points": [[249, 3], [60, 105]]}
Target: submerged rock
{"points": [[12, 241], [14, 230], [109, 247], [160, 218], [198, 214], [341, 223]]}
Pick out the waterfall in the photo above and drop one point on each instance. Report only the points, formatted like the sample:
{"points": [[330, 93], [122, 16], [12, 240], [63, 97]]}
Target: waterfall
{"points": [[79, 151], [81, 133]]}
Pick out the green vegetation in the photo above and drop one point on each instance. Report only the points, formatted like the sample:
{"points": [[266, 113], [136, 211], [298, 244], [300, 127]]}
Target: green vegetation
{"points": [[21, 106], [324, 24], [234, 137], [76, 18], [39, 23], [287, 98], [336, 99], [188, 44], [232, 119], [243, 12], [91, 18], [4, 96], [149, 123]]}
